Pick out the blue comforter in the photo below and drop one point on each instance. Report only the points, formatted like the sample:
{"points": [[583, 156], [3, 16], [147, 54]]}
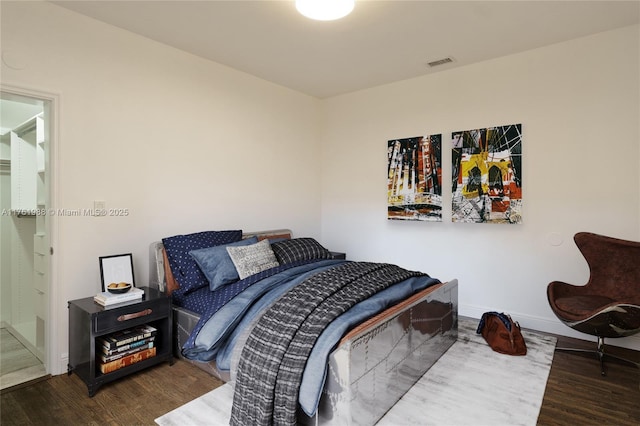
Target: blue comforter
{"points": [[220, 330]]}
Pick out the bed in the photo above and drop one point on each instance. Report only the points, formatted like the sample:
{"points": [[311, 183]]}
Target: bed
{"points": [[357, 368]]}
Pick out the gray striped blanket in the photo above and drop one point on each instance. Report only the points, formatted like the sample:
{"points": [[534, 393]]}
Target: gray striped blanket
{"points": [[273, 359]]}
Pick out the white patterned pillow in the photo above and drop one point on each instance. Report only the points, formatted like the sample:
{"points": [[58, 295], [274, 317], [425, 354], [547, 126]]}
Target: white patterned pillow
{"points": [[254, 258]]}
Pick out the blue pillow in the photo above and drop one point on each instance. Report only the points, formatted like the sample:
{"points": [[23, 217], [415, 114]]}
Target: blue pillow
{"points": [[185, 269], [216, 264]]}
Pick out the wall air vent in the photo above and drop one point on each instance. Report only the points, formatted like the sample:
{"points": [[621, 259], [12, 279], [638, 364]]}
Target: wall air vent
{"points": [[440, 62]]}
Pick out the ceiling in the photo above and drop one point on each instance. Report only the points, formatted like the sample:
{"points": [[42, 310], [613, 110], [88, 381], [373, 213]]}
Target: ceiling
{"points": [[380, 42]]}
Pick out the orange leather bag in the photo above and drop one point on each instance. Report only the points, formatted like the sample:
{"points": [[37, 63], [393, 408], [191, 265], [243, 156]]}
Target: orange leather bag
{"points": [[502, 333]]}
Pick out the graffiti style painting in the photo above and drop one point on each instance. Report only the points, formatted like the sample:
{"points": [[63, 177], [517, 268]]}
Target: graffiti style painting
{"points": [[414, 178], [486, 175]]}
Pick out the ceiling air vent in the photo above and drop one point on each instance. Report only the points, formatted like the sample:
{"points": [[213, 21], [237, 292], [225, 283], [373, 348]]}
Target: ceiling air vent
{"points": [[440, 62]]}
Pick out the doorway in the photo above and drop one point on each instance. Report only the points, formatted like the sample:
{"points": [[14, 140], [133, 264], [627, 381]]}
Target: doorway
{"points": [[25, 174]]}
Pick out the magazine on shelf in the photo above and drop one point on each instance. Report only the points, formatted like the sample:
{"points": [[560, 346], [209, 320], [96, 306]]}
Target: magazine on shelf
{"points": [[106, 299], [109, 367], [128, 347], [146, 344], [124, 337]]}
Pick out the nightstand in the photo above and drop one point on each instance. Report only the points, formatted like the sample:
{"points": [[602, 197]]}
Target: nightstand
{"points": [[338, 255], [89, 321]]}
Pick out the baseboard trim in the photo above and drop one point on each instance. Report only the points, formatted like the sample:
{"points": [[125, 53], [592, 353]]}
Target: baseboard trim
{"points": [[548, 325], [63, 367]]}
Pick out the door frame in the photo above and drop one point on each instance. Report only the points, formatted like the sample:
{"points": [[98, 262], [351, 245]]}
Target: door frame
{"points": [[54, 362]]}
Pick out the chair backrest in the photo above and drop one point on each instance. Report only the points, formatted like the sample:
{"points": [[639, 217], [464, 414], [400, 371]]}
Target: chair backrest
{"points": [[614, 265]]}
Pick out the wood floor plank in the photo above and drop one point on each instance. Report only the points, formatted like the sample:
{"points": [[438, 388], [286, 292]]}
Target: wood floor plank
{"points": [[137, 399], [577, 393]]}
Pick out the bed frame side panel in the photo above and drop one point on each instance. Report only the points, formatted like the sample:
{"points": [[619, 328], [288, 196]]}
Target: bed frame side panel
{"points": [[184, 321], [369, 373]]}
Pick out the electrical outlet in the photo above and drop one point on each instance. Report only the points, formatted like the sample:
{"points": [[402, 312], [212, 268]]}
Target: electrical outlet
{"points": [[99, 207]]}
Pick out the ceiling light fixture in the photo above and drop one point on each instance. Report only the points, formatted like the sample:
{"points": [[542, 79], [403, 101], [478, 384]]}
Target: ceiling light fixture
{"points": [[325, 10]]}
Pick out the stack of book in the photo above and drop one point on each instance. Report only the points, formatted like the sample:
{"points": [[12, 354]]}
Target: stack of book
{"points": [[107, 299], [125, 347]]}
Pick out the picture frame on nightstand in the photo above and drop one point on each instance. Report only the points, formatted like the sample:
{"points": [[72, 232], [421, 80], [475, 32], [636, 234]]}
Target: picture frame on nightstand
{"points": [[116, 269]]}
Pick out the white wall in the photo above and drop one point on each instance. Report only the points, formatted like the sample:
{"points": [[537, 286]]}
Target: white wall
{"points": [[579, 105], [184, 144]]}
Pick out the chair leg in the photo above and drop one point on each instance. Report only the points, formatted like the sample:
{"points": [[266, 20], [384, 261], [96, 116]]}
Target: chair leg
{"points": [[600, 353]]}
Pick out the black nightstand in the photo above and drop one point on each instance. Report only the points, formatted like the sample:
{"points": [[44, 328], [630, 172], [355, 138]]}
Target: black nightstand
{"points": [[338, 255], [89, 321]]}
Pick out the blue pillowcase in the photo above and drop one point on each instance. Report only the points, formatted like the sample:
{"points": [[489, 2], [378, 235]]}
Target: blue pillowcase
{"points": [[216, 264], [185, 270]]}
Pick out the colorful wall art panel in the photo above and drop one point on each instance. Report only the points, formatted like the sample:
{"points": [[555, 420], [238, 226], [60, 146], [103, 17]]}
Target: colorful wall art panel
{"points": [[486, 175], [414, 178]]}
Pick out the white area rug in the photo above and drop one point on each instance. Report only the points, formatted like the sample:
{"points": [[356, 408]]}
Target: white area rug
{"points": [[469, 385]]}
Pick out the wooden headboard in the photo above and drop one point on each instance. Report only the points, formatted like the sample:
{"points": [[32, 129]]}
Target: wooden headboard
{"points": [[159, 269]]}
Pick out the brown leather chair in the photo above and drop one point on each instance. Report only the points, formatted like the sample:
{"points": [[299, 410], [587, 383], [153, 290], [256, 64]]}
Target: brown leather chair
{"points": [[609, 304]]}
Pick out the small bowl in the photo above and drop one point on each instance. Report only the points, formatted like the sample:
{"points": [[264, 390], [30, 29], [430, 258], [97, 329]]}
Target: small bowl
{"points": [[119, 290]]}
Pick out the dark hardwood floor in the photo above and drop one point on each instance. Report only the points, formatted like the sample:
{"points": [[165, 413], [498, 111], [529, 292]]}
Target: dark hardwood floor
{"points": [[576, 394], [135, 400]]}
